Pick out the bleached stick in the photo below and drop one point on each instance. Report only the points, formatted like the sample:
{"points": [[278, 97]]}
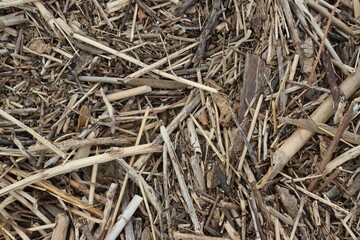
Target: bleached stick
{"points": [[297, 140], [81, 163], [33, 133], [125, 217], [128, 93], [183, 187]]}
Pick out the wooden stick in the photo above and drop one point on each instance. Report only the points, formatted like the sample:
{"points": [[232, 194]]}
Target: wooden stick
{"points": [[110, 195], [11, 20], [250, 132], [128, 93], [297, 219], [320, 199], [322, 128], [182, 184], [110, 155], [33, 133], [297, 140], [148, 211], [75, 143], [125, 217], [330, 150], [17, 229]]}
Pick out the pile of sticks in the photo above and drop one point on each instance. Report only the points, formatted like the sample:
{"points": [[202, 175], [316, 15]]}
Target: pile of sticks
{"points": [[167, 119]]}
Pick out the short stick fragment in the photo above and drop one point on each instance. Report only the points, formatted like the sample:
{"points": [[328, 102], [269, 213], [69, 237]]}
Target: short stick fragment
{"points": [[125, 217]]}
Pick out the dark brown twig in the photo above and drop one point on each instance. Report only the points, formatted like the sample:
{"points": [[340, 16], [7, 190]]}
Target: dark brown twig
{"points": [[207, 30]]}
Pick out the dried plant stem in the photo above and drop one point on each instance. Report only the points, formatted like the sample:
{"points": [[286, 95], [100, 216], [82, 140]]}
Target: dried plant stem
{"points": [[102, 13], [323, 40], [343, 158], [157, 64], [302, 203], [336, 22], [250, 132], [137, 179], [107, 211], [61, 194], [80, 163]]}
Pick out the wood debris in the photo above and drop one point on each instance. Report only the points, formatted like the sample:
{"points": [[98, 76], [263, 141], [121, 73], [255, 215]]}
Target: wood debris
{"points": [[167, 119]]}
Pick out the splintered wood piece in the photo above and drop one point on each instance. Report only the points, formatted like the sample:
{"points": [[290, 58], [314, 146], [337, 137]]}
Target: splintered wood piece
{"points": [[288, 200], [256, 74], [291, 24], [110, 195], [188, 236], [13, 3], [297, 140]]}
